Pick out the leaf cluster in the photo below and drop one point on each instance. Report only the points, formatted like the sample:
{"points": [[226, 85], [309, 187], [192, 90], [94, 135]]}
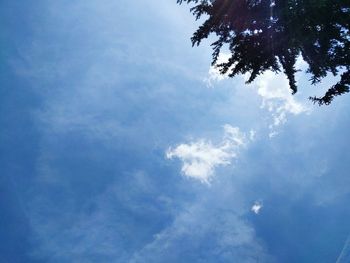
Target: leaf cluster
{"points": [[270, 35]]}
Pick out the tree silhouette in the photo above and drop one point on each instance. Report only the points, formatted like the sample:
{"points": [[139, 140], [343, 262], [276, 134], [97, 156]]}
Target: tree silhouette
{"points": [[270, 34]]}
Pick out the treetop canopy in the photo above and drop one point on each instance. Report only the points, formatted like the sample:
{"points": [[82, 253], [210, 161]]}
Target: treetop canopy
{"points": [[270, 34]]}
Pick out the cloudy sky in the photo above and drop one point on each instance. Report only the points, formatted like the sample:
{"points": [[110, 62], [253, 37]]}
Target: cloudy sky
{"points": [[119, 143]]}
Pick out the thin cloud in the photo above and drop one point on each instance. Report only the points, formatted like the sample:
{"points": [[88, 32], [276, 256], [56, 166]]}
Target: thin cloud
{"points": [[345, 253], [231, 237]]}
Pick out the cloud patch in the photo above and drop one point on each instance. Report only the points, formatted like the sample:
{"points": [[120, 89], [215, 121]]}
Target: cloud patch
{"points": [[214, 74], [277, 99], [256, 207], [272, 88], [200, 158]]}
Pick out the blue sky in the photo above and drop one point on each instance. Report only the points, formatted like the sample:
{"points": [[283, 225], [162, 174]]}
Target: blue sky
{"points": [[119, 143]]}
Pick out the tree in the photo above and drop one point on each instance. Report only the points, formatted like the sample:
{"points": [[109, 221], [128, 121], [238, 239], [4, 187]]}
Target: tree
{"points": [[270, 35]]}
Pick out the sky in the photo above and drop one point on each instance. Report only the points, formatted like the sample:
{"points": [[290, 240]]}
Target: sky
{"points": [[119, 143]]}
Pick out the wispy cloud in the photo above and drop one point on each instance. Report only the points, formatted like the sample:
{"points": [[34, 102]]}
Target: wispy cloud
{"points": [[230, 236], [200, 158], [345, 253]]}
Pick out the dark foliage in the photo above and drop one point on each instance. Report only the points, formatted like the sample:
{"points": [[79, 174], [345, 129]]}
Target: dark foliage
{"points": [[270, 35]]}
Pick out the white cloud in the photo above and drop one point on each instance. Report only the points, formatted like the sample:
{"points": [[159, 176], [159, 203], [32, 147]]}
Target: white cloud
{"points": [[277, 99], [214, 74], [200, 158], [257, 207], [272, 88]]}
